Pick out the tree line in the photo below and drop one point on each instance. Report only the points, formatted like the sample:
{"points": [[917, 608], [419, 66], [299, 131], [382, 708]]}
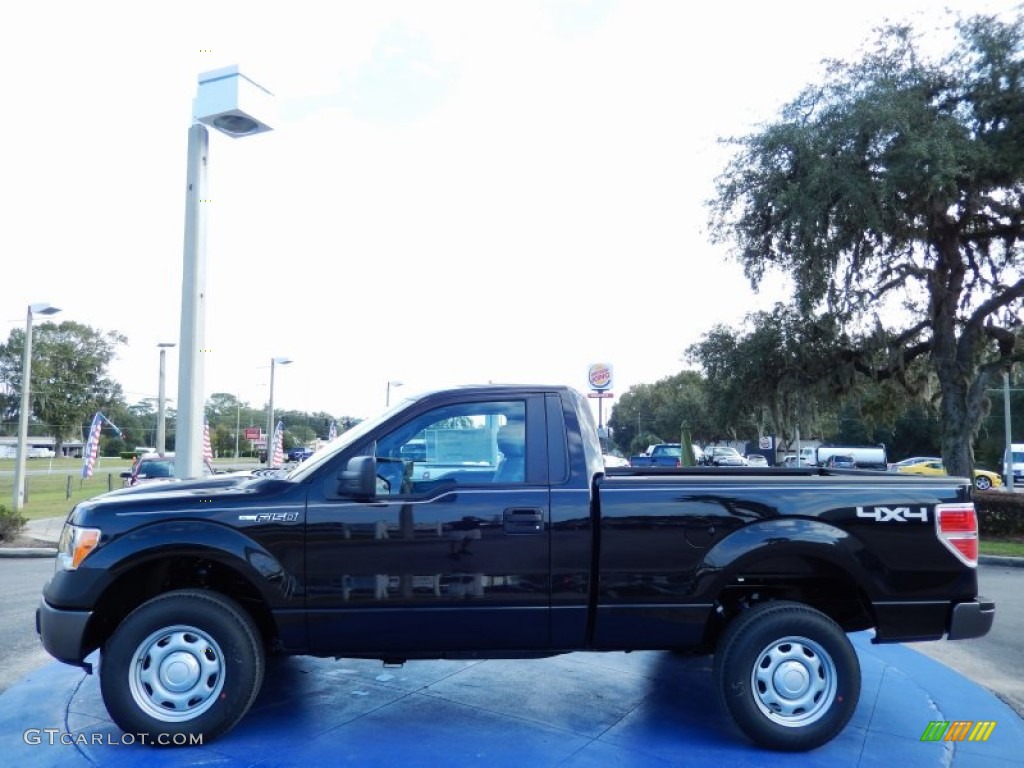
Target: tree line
{"points": [[71, 381], [891, 195]]}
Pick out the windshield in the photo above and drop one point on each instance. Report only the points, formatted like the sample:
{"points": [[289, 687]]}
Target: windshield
{"points": [[345, 439]]}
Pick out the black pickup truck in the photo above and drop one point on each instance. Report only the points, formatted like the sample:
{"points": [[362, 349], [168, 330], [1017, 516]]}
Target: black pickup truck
{"points": [[480, 522]]}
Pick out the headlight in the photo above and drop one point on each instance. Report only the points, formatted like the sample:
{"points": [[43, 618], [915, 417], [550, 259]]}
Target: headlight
{"points": [[75, 545]]}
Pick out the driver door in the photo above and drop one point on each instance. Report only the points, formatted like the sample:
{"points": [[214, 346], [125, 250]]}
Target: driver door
{"points": [[451, 552]]}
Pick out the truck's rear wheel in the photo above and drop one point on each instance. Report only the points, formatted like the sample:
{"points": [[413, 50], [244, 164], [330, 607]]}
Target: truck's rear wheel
{"points": [[186, 663], [788, 675]]}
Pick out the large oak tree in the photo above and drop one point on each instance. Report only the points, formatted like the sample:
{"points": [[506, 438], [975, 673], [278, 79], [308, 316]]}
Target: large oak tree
{"points": [[892, 195], [70, 378]]}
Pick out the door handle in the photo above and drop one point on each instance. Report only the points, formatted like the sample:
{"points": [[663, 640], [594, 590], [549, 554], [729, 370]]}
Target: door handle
{"points": [[528, 520]]}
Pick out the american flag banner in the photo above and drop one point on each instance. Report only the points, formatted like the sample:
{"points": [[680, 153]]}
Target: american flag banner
{"points": [[333, 432], [92, 445], [278, 458], [207, 447]]}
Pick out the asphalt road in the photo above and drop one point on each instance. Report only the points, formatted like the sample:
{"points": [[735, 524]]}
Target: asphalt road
{"points": [[995, 661], [20, 649]]}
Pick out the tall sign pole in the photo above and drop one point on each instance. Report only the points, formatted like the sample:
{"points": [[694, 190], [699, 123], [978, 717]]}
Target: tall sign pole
{"points": [[599, 376]]}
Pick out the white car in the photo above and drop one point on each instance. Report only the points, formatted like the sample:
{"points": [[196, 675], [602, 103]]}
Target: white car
{"points": [[610, 460], [724, 456], [756, 460]]}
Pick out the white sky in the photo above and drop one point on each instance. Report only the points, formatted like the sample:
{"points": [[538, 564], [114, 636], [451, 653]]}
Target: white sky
{"points": [[456, 192]]}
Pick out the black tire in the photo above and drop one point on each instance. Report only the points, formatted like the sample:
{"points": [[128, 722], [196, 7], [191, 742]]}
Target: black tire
{"points": [[982, 483], [819, 662], [184, 664]]}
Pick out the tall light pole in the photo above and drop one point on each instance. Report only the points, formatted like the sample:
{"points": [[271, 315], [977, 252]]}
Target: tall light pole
{"points": [[274, 361], [238, 422], [41, 308], [225, 100], [387, 400], [161, 402], [1008, 458]]}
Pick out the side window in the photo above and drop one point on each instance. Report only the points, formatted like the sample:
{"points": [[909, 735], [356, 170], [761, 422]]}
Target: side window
{"points": [[465, 443]]}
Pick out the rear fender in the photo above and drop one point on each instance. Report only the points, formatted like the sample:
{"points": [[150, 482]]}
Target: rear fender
{"points": [[777, 539]]}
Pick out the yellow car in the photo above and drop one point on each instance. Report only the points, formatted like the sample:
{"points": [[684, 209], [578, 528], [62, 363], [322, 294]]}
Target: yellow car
{"points": [[983, 479]]}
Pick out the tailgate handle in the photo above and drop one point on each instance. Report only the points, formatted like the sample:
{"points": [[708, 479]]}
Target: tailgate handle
{"points": [[524, 520]]}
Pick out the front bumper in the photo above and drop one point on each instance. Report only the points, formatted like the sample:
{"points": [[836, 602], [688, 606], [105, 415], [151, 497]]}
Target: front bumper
{"points": [[972, 619], [63, 633]]}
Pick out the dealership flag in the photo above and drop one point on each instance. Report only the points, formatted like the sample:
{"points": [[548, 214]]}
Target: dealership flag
{"points": [[278, 458], [92, 446], [333, 433], [207, 448]]}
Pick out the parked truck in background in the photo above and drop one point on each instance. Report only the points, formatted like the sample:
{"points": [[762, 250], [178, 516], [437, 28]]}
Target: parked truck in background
{"points": [[480, 522], [664, 455], [1015, 465]]}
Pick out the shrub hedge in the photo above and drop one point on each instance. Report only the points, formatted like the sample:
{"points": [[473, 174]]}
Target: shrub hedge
{"points": [[1000, 514], [11, 523]]}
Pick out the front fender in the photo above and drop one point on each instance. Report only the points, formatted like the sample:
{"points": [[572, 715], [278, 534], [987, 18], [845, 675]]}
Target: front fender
{"points": [[280, 585]]}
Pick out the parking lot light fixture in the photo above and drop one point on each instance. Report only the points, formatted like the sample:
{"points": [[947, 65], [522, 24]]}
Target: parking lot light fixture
{"points": [[274, 362], [161, 403], [231, 103], [41, 308]]}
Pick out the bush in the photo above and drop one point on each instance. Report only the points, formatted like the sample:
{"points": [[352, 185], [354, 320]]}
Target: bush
{"points": [[128, 455], [11, 523], [1000, 514]]}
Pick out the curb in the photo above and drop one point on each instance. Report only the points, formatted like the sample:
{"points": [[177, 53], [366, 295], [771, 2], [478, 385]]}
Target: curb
{"points": [[28, 552], [1013, 562]]}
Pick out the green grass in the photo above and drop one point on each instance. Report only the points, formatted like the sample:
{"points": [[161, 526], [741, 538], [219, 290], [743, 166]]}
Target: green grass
{"points": [[47, 495], [1006, 547]]}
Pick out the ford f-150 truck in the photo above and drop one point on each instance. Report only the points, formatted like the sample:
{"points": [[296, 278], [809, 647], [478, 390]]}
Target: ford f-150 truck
{"points": [[503, 536]]}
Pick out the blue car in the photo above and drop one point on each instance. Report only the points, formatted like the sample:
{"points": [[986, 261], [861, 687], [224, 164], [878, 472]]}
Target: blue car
{"points": [[299, 454]]}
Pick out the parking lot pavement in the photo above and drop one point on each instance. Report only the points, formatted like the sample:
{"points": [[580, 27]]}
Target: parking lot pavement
{"points": [[573, 711]]}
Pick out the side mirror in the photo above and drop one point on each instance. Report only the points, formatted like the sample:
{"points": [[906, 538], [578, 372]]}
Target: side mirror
{"points": [[359, 478], [126, 475]]}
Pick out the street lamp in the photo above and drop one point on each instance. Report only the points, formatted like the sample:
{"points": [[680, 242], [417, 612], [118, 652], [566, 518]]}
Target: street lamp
{"points": [[226, 100], [1008, 456], [387, 400], [274, 361], [238, 421], [26, 377], [161, 403]]}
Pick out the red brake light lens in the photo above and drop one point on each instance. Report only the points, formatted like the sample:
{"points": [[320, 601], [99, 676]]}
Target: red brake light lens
{"points": [[957, 528]]}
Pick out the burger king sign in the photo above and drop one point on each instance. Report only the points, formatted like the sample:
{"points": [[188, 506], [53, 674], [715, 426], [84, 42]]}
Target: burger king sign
{"points": [[600, 376]]}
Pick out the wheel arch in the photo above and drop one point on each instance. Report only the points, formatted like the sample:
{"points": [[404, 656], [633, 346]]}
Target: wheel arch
{"points": [[813, 563], [215, 558]]}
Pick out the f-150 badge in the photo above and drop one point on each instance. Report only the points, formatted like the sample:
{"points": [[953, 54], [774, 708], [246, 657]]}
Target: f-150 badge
{"points": [[271, 517]]}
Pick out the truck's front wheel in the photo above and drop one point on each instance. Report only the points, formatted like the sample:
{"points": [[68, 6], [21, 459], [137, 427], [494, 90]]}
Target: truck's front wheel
{"points": [[185, 664], [788, 675]]}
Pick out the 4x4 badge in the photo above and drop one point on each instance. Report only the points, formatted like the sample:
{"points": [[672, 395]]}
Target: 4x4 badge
{"points": [[893, 514]]}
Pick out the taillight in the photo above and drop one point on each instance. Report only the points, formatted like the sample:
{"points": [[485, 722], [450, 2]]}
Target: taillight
{"points": [[957, 527]]}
